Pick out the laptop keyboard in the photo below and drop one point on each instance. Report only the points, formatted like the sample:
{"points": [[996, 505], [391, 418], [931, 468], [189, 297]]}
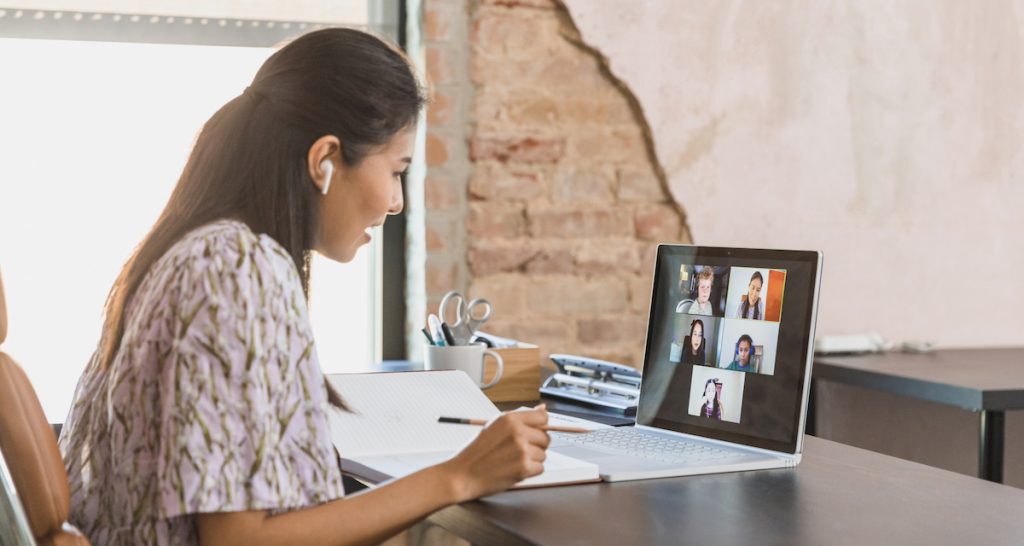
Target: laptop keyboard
{"points": [[648, 446]]}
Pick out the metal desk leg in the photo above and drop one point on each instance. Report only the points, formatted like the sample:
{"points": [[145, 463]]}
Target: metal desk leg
{"points": [[990, 446]]}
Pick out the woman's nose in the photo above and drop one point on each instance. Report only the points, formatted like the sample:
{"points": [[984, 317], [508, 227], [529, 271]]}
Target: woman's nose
{"points": [[397, 202]]}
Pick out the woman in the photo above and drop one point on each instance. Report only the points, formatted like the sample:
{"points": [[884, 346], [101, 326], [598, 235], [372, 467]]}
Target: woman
{"points": [[201, 418], [711, 403], [751, 305], [694, 344]]}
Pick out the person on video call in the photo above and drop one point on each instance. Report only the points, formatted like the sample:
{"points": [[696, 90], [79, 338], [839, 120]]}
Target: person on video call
{"points": [[743, 360], [702, 306], [694, 344], [751, 305], [711, 403]]}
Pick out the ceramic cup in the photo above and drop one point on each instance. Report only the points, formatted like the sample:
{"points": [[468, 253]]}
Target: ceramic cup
{"points": [[468, 358]]}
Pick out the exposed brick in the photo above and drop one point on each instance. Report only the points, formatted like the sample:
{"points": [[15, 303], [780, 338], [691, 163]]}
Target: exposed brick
{"points": [[606, 110], [551, 261], [550, 335], [584, 187], [511, 33], [544, 4], [495, 220], [639, 184], [442, 231], [492, 181], [437, 23], [649, 256], [532, 111], [640, 293], [435, 240], [566, 295], [627, 355], [439, 65], [618, 146], [658, 223], [440, 274], [607, 257], [612, 330], [591, 222], [491, 259], [437, 149], [440, 111], [440, 193], [520, 149], [506, 292], [568, 73]]}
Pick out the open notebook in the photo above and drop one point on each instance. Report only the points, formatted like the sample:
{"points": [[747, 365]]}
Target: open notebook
{"points": [[393, 430]]}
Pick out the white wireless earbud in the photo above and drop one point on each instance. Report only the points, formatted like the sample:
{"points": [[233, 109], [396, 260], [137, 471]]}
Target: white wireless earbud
{"points": [[328, 169]]}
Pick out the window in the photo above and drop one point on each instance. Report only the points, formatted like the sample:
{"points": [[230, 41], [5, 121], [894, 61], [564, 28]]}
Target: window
{"points": [[95, 134]]}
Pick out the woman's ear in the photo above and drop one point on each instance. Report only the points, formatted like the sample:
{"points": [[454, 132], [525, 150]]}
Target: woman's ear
{"points": [[323, 158]]}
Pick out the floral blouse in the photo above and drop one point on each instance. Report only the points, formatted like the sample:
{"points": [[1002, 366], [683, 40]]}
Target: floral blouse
{"points": [[214, 402]]}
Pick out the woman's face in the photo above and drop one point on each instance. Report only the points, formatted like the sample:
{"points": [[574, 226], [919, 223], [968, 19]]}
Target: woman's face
{"points": [[362, 196], [709, 392], [703, 291], [696, 335], [754, 291]]}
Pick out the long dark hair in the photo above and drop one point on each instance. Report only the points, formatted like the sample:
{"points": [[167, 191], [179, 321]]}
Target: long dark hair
{"points": [[250, 159], [700, 357], [716, 405], [745, 300]]}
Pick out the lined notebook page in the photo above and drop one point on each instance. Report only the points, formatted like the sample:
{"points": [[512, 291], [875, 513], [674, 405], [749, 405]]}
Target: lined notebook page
{"points": [[397, 412]]}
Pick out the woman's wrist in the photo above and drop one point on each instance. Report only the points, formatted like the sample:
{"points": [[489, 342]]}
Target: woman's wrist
{"points": [[451, 482]]}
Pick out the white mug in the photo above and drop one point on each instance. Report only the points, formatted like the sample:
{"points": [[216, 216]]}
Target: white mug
{"points": [[468, 358]]}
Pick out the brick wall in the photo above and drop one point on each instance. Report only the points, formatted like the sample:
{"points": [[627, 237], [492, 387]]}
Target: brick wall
{"points": [[542, 193]]}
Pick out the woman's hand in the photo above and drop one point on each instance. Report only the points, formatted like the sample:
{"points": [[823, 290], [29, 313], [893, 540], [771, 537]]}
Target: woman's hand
{"points": [[510, 449]]}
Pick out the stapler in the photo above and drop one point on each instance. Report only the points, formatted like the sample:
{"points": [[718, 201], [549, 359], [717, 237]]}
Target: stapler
{"points": [[594, 381]]}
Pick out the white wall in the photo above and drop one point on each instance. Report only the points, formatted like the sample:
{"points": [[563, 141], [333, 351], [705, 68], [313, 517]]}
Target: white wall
{"points": [[890, 135]]}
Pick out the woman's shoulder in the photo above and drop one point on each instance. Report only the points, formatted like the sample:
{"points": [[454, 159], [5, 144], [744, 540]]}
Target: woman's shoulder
{"points": [[229, 246]]}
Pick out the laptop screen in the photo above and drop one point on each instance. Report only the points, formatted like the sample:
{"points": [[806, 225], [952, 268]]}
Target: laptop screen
{"points": [[728, 342]]}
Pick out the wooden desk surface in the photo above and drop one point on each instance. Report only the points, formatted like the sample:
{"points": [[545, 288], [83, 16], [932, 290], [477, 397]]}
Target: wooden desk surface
{"points": [[837, 495], [975, 379]]}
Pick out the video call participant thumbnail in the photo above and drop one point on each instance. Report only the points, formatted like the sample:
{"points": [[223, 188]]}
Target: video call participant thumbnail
{"points": [[748, 346], [743, 358], [751, 306], [716, 394], [695, 340], [703, 296], [711, 403]]}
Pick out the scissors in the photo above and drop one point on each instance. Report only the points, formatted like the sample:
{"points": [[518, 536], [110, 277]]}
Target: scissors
{"points": [[467, 316]]}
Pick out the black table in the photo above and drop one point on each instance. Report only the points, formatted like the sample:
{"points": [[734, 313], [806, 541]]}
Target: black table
{"points": [[837, 495], [987, 381]]}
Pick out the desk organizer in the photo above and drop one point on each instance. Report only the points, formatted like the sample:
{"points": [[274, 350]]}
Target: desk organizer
{"points": [[521, 378]]}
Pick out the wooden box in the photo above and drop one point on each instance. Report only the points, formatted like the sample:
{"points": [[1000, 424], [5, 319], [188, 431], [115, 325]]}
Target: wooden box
{"points": [[521, 379]]}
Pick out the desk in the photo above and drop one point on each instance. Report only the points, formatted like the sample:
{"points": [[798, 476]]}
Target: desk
{"points": [[987, 381], [837, 495]]}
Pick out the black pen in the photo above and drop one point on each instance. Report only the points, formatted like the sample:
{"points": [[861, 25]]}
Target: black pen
{"points": [[430, 340], [483, 422], [446, 331]]}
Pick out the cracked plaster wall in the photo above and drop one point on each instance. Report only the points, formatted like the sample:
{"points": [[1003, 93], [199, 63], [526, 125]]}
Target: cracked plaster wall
{"points": [[890, 135]]}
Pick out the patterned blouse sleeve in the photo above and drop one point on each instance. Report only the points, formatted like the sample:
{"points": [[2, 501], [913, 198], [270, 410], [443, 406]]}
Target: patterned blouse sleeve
{"points": [[242, 397]]}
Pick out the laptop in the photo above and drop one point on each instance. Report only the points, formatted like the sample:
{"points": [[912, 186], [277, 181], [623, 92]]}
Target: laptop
{"points": [[727, 367]]}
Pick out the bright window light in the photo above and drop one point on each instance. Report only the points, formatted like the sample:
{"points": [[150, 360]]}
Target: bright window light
{"points": [[94, 136]]}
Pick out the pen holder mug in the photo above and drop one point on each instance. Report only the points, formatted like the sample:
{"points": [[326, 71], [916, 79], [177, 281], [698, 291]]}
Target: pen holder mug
{"points": [[468, 358]]}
